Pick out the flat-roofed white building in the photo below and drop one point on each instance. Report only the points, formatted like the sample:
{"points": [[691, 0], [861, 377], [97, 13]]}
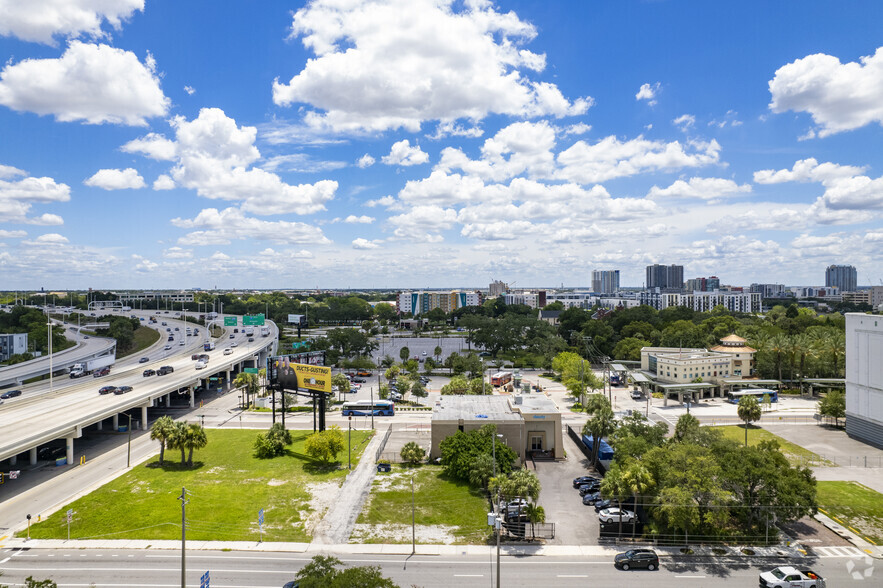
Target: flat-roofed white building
{"points": [[864, 377]]}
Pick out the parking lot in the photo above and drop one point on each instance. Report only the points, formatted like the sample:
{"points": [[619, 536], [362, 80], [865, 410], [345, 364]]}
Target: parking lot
{"points": [[417, 345], [575, 523]]}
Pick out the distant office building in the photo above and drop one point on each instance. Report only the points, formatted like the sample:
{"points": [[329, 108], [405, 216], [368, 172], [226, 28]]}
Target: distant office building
{"points": [[864, 378], [703, 284], [420, 302], [770, 290], [843, 277], [605, 281], [531, 299], [587, 300], [496, 288], [666, 277], [746, 302], [858, 297], [829, 292], [876, 296], [12, 344]]}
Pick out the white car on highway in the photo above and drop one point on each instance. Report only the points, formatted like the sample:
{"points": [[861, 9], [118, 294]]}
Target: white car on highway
{"points": [[228, 351], [167, 347], [200, 364]]}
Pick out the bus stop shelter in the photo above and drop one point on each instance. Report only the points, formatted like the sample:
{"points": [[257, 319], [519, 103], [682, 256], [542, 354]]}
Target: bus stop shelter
{"points": [[736, 384], [690, 389], [824, 383], [641, 380]]}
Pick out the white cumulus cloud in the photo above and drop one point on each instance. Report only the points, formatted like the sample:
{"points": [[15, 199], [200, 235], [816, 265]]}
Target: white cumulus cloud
{"points": [[363, 220], [92, 83], [116, 179], [17, 197], [41, 20], [711, 189], [222, 227], [387, 64], [365, 161], [152, 145], [839, 96], [648, 92], [402, 153], [807, 170], [163, 182], [361, 243]]}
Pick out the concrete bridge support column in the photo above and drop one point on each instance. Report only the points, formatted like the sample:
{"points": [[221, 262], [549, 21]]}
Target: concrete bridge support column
{"points": [[168, 400], [116, 422], [99, 425], [13, 460], [32, 454], [69, 441], [144, 418], [192, 397]]}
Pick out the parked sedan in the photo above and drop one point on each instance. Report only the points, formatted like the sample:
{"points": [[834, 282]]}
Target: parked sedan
{"points": [[599, 506], [582, 480], [107, 390], [591, 498], [358, 380], [637, 558], [615, 515], [589, 488]]}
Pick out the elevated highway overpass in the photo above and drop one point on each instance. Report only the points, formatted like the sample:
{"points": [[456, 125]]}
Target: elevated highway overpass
{"points": [[40, 417]]}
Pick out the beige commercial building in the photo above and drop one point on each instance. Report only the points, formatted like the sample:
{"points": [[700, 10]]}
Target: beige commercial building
{"points": [[530, 423]]}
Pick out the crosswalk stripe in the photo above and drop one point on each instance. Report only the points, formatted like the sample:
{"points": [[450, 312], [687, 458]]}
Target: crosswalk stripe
{"points": [[837, 551]]}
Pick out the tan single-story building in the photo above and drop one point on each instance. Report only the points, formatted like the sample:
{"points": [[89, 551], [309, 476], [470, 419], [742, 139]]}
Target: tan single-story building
{"points": [[530, 423]]}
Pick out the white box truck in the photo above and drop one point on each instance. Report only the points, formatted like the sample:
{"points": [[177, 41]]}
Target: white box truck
{"points": [[87, 367], [265, 331]]}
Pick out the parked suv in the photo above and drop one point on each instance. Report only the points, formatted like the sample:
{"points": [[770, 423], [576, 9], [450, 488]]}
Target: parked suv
{"points": [[582, 480], [637, 558]]}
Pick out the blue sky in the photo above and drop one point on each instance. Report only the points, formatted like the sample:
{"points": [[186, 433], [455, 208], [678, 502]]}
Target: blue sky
{"points": [[420, 143]]}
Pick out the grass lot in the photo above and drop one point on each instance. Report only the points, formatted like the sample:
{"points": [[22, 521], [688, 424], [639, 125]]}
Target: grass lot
{"points": [[446, 511], [144, 338], [796, 454], [854, 506], [226, 488]]}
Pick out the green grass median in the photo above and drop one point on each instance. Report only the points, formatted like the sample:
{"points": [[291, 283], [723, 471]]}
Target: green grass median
{"points": [[854, 506], [226, 487], [445, 510]]}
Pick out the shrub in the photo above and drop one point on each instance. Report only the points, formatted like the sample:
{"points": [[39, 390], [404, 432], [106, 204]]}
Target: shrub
{"points": [[412, 453], [325, 445]]}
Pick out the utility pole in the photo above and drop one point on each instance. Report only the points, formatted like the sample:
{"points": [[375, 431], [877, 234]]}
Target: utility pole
{"points": [[183, 499], [49, 331], [413, 519], [129, 449]]}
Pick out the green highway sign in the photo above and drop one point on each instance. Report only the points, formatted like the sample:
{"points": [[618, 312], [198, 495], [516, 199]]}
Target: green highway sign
{"points": [[299, 344], [230, 321], [255, 320], [250, 370]]}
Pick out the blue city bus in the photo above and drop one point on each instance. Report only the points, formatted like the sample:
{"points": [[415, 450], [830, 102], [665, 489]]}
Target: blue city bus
{"points": [[365, 408], [758, 393]]}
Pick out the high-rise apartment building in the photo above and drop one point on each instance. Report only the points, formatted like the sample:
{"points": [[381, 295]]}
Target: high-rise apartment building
{"points": [[496, 288], [605, 281], [667, 277], [420, 302], [843, 277]]}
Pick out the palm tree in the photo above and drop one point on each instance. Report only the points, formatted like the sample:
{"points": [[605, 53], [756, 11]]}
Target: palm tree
{"points": [[194, 438], [177, 439], [601, 424], [805, 347], [535, 514], [249, 384], [638, 479], [162, 430], [778, 346], [437, 353], [748, 411]]}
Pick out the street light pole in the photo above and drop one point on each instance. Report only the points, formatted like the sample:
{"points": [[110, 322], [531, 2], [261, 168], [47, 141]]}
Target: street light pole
{"points": [[349, 443]]}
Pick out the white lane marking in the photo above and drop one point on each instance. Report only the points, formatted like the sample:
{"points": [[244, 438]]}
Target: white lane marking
{"points": [[8, 558], [469, 575], [572, 576]]}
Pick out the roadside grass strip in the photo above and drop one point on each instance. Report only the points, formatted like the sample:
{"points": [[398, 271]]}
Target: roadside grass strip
{"points": [[226, 487], [854, 506], [445, 510]]}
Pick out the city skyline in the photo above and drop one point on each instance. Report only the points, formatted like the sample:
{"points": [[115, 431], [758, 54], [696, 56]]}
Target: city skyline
{"points": [[162, 146]]}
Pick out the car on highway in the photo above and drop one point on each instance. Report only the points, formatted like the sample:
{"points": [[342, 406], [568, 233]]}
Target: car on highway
{"points": [[177, 329], [423, 353], [166, 369], [615, 515], [232, 335], [122, 389], [102, 372], [195, 356], [147, 373], [10, 394], [228, 351], [107, 390], [182, 343], [144, 360], [582, 480], [637, 558], [234, 344], [201, 364], [250, 339], [167, 347]]}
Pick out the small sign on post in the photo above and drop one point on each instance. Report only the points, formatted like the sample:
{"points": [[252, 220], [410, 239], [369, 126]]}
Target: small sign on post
{"points": [[261, 523], [70, 516], [204, 581]]}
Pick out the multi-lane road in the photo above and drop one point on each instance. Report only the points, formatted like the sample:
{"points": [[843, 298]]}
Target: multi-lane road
{"points": [[463, 566], [38, 416]]}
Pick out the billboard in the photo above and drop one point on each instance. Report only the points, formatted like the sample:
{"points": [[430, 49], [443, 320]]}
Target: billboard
{"points": [[291, 375], [297, 319]]}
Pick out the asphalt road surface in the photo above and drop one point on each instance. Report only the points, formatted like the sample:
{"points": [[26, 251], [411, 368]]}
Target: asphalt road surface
{"points": [[240, 569]]}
